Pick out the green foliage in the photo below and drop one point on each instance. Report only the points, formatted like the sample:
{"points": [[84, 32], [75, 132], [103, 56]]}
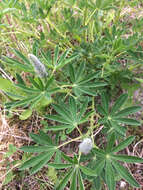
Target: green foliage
{"points": [[64, 63], [114, 117]]}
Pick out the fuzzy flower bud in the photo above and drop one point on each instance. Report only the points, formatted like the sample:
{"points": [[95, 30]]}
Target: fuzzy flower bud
{"points": [[122, 185], [38, 66], [85, 146]]}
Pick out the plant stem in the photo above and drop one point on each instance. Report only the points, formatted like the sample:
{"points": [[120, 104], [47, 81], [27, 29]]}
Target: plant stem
{"points": [[72, 140]]}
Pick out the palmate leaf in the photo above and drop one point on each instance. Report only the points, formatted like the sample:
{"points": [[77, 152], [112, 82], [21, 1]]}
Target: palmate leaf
{"points": [[113, 119], [69, 115], [82, 83], [125, 174]]}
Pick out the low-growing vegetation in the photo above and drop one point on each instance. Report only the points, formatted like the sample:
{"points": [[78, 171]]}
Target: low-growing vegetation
{"points": [[70, 92]]}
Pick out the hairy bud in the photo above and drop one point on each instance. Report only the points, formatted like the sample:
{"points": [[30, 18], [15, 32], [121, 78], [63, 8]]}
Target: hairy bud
{"points": [[86, 145], [38, 66]]}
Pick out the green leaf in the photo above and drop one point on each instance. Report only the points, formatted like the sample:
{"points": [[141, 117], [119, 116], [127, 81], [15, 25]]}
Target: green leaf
{"points": [[105, 102], [63, 57], [67, 158], [86, 90], [60, 166], [98, 166], [40, 139], [85, 118], [128, 159], [35, 84], [94, 84], [88, 78], [56, 54], [101, 110], [68, 60], [40, 165], [123, 144], [63, 183], [26, 114], [80, 71], [127, 111], [82, 110], [47, 59], [58, 127], [21, 56], [16, 64], [109, 176], [26, 89], [99, 152], [57, 118], [34, 149], [119, 129], [72, 73], [125, 174], [19, 79], [88, 171], [34, 161], [119, 102], [127, 121], [62, 112], [74, 181], [110, 142], [8, 178], [80, 181], [49, 82], [73, 108], [6, 85], [45, 137]]}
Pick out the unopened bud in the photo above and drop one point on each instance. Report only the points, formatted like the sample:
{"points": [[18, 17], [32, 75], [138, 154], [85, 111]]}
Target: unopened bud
{"points": [[85, 146], [122, 185], [38, 66]]}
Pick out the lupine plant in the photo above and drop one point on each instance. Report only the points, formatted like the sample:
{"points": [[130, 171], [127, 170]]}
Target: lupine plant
{"points": [[76, 76], [76, 114]]}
